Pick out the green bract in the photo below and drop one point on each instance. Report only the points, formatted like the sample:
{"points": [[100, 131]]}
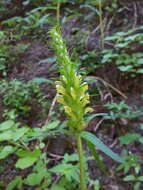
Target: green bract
{"points": [[72, 92]]}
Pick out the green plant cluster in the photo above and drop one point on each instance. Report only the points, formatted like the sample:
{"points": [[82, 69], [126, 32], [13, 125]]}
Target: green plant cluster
{"points": [[124, 54], [21, 96]]}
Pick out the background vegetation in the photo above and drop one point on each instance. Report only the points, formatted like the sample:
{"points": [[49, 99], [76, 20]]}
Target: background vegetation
{"points": [[105, 40]]}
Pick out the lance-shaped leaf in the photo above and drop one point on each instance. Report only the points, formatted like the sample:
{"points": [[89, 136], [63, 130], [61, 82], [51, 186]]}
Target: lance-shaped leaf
{"points": [[101, 146]]}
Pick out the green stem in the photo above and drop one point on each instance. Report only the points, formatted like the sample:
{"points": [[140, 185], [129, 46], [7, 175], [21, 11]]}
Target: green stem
{"points": [[81, 163], [58, 12]]}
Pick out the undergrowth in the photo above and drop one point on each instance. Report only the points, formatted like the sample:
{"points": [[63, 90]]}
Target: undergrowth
{"points": [[91, 103]]}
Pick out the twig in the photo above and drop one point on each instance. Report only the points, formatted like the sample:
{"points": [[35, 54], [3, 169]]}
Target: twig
{"points": [[135, 15], [95, 30], [109, 25], [114, 143], [58, 157], [98, 124], [51, 109], [108, 95], [100, 91], [112, 87]]}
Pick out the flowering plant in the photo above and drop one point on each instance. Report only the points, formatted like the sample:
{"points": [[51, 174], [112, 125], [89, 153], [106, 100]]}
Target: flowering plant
{"points": [[73, 95]]}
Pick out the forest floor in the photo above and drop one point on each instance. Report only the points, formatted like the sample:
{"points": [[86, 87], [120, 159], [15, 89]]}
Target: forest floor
{"points": [[107, 84]]}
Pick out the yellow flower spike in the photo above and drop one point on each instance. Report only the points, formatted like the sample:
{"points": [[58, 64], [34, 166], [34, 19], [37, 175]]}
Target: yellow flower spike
{"points": [[68, 110], [77, 80], [89, 110], [73, 93], [60, 89], [85, 100], [60, 99], [64, 79], [58, 82], [83, 88]]}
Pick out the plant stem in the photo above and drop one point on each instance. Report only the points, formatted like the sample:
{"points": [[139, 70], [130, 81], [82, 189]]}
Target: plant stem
{"points": [[58, 12], [101, 24], [81, 163]]}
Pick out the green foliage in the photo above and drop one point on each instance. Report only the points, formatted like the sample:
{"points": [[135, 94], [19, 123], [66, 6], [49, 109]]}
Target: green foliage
{"points": [[132, 162], [27, 158], [120, 110], [6, 151], [123, 54], [129, 138], [90, 61], [19, 95], [66, 169], [39, 176], [34, 21], [15, 183]]}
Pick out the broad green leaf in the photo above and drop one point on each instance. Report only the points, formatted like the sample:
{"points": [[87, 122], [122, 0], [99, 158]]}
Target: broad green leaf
{"points": [[6, 136], [57, 187], [129, 178], [141, 140], [26, 162], [140, 61], [34, 179], [28, 158], [19, 133], [101, 146], [6, 151], [70, 158], [129, 138], [139, 71], [140, 178], [15, 184], [68, 170], [29, 153], [51, 125], [6, 125], [41, 80], [125, 68]]}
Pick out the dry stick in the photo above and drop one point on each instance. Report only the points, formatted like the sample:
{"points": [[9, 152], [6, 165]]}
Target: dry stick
{"points": [[58, 157], [101, 94], [51, 109], [98, 124], [135, 15], [94, 31], [111, 86], [100, 91], [114, 143], [109, 25]]}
